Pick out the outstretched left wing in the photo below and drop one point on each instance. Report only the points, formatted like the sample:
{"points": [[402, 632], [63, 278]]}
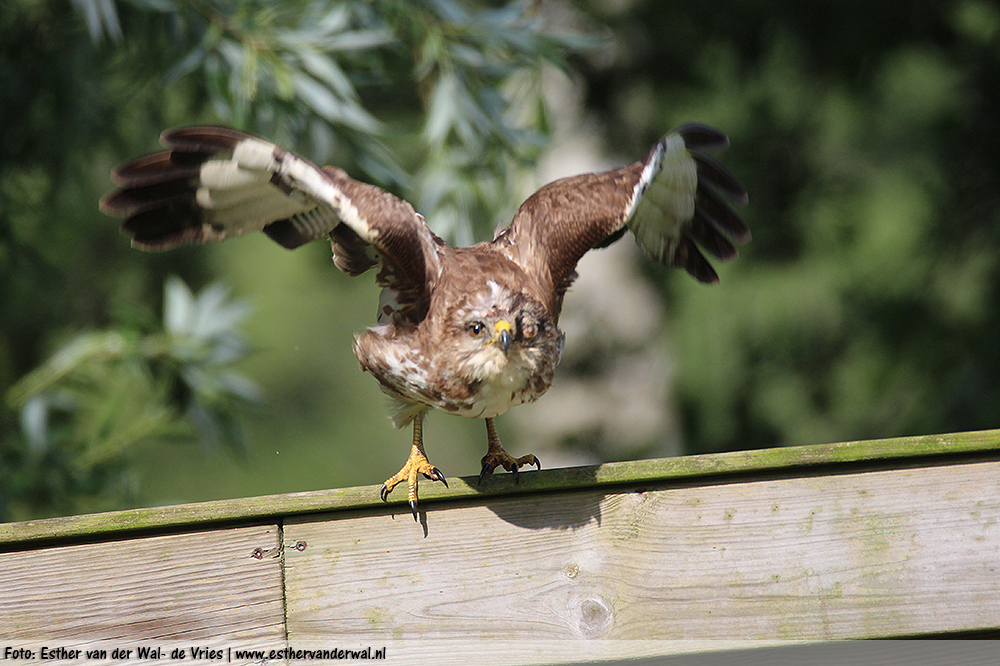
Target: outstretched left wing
{"points": [[214, 183], [673, 200]]}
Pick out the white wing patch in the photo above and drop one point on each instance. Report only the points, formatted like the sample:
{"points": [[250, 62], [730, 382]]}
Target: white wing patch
{"points": [[311, 180], [664, 198], [256, 154], [241, 199], [645, 178], [305, 184], [315, 221], [227, 175]]}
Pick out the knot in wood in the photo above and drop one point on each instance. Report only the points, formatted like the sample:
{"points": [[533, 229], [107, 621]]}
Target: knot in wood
{"points": [[593, 615]]}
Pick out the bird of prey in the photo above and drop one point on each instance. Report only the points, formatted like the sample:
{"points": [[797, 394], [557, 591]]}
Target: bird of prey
{"points": [[471, 331]]}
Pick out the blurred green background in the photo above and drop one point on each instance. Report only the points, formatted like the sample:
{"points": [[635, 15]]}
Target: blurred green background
{"points": [[866, 306]]}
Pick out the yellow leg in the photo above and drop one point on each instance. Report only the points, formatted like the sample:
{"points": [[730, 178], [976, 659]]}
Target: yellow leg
{"points": [[416, 464], [497, 457]]}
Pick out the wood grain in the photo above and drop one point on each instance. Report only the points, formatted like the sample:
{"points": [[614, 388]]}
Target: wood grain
{"points": [[853, 555], [190, 586], [866, 539], [812, 459]]}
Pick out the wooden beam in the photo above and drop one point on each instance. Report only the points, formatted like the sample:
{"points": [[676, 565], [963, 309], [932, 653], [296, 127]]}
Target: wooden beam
{"points": [[881, 539], [862, 555], [188, 586], [762, 462]]}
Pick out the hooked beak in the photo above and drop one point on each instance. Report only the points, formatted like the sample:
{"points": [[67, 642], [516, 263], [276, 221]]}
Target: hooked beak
{"points": [[504, 334]]}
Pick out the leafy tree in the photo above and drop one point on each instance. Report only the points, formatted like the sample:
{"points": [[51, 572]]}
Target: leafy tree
{"points": [[866, 305], [455, 91], [87, 410]]}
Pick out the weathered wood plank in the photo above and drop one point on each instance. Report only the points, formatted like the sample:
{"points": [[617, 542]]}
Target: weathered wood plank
{"points": [[798, 459], [864, 539], [190, 587], [850, 555]]}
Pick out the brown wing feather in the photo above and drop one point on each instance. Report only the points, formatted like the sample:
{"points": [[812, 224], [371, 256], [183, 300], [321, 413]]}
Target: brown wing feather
{"points": [[563, 220], [670, 200], [217, 182]]}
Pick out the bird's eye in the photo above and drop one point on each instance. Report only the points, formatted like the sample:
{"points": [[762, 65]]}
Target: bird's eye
{"points": [[528, 327], [476, 328]]}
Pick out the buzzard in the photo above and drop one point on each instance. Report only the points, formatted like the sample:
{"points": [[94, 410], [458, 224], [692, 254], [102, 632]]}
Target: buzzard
{"points": [[472, 331]]}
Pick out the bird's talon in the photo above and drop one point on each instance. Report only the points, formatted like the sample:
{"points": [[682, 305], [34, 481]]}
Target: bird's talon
{"points": [[500, 458], [416, 465], [434, 474]]}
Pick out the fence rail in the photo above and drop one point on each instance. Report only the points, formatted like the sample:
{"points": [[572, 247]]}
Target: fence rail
{"points": [[875, 539]]}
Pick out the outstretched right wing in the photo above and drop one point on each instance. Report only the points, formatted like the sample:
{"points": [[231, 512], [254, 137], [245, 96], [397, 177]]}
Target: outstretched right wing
{"points": [[216, 182], [672, 200]]}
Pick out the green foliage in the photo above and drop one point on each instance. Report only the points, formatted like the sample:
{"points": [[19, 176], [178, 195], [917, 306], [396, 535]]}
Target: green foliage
{"points": [[88, 410], [866, 304], [371, 86], [465, 86]]}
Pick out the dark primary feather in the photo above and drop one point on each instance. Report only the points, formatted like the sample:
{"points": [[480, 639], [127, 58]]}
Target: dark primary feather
{"points": [[714, 208], [712, 173], [198, 191], [697, 135], [204, 139]]}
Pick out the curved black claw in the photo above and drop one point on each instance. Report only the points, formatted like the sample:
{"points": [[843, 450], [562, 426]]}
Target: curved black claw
{"points": [[489, 466], [517, 475], [384, 493], [436, 475], [487, 469], [413, 508]]}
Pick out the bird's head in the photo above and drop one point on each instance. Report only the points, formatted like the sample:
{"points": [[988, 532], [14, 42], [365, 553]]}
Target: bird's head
{"points": [[498, 331]]}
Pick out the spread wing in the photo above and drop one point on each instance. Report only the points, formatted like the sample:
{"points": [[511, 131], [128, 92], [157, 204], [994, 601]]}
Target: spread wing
{"points": [[215, 182], [673, 200]]}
